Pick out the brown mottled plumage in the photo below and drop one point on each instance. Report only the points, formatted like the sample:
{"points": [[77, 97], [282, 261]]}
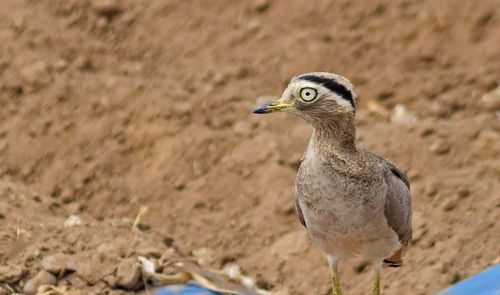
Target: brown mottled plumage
{"points": [[351, 201]]}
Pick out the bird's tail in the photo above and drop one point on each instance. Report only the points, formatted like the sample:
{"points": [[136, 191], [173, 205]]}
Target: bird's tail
{"points": [[396, 260]]}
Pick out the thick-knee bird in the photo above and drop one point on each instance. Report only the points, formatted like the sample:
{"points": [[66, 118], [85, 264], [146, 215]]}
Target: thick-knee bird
{"points": [[351, 201]]}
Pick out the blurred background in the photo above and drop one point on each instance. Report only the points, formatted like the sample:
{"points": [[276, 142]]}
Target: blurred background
{"points": [[107, 106]]}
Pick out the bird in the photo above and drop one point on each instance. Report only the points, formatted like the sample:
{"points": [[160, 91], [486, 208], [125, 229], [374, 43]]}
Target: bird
{"points": [[352, 202]]}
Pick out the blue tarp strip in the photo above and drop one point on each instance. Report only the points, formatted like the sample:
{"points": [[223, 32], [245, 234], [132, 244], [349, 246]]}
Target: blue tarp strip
{"points": [[486, 282], [191, 288]]}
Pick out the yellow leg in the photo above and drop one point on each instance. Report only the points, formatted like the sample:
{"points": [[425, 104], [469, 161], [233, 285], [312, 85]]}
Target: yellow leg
{"points": [[336, 290], [376, 282]]}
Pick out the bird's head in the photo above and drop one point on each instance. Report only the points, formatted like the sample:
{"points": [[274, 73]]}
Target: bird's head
{"points": [[316, 97]]}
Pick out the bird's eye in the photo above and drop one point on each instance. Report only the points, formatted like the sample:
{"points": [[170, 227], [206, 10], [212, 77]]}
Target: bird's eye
{"points": [[308, 94]]}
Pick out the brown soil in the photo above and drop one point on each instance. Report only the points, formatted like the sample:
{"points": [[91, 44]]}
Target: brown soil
{"points": [[107, 106]]}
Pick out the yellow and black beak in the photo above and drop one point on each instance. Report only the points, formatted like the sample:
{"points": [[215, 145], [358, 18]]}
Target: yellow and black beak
{"points": [[272, 107]]}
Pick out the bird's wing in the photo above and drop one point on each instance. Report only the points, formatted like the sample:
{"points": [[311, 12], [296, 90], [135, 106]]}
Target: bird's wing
{"points": [[299, 211], [397, 207]]}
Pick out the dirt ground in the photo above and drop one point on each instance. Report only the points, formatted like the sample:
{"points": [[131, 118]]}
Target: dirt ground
{"points": [[107, 106]]}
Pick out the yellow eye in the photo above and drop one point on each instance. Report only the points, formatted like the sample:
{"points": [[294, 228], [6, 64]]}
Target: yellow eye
{"points": [[308, 94]]}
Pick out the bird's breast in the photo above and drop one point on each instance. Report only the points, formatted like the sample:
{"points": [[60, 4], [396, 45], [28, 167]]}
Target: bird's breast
{"points": [[339, 209]]}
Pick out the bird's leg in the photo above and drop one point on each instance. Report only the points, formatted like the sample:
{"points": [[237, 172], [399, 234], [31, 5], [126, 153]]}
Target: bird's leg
{"points": [[376, 282], [332, 262], [336, 290]]}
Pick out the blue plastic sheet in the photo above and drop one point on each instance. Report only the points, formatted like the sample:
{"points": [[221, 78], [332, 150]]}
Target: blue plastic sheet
{"points": [[484, 283], [190, 289]]}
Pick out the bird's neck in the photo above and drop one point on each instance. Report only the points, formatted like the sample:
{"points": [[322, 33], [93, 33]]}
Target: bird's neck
{"points": [[335, 136]]}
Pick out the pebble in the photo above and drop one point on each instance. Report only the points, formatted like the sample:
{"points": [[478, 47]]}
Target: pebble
{"points": [[82, 63], [42, 278], [427, 131], [491, 100], [263, 283], [402, 115], [73, 220], [154, 252], [361, 266], [128, 274], [11, 274], [449, 204], [463, 193], [242, 127], [453, 278], [290, 244], [440, 147], [377, 108], [204, 256], [75, 281], [36, 75], [59, 263], [228, 258], [261, 5], [60, 65], [168, 241], [106, 7], [431, 190], [253, 25]]}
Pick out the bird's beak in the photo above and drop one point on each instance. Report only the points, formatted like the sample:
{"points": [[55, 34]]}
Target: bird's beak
{"points": [[271, 107]]}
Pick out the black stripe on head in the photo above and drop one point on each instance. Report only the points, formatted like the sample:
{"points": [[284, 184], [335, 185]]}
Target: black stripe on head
{"points": [[332, 85]]}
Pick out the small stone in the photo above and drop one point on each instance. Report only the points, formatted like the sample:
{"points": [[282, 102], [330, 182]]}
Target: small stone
{"points": [[427, 131], [132, 67], [449, 204], [128, 274], [107, 8], [19, 23], [440, 147], [232, 271], [168, 241], [150, 252], [67, 196], [261, 5], [42, 278], [11, 274], [361, 266], [36, 75], [75, 281], [179, 185], [242, 127], [418, 234], [110, 280], [59, 263], [220, 79], [453, 278], [253, 25], [60, 65], [227, 259], [376, 107], [491, 100], [430, 243], [402, 115], [385, 94], [73, 220], [463, 193], [431, 190], [83, 63], [419, 226], [263, 283], [289, 245], [204, 256], [102, 22]]}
